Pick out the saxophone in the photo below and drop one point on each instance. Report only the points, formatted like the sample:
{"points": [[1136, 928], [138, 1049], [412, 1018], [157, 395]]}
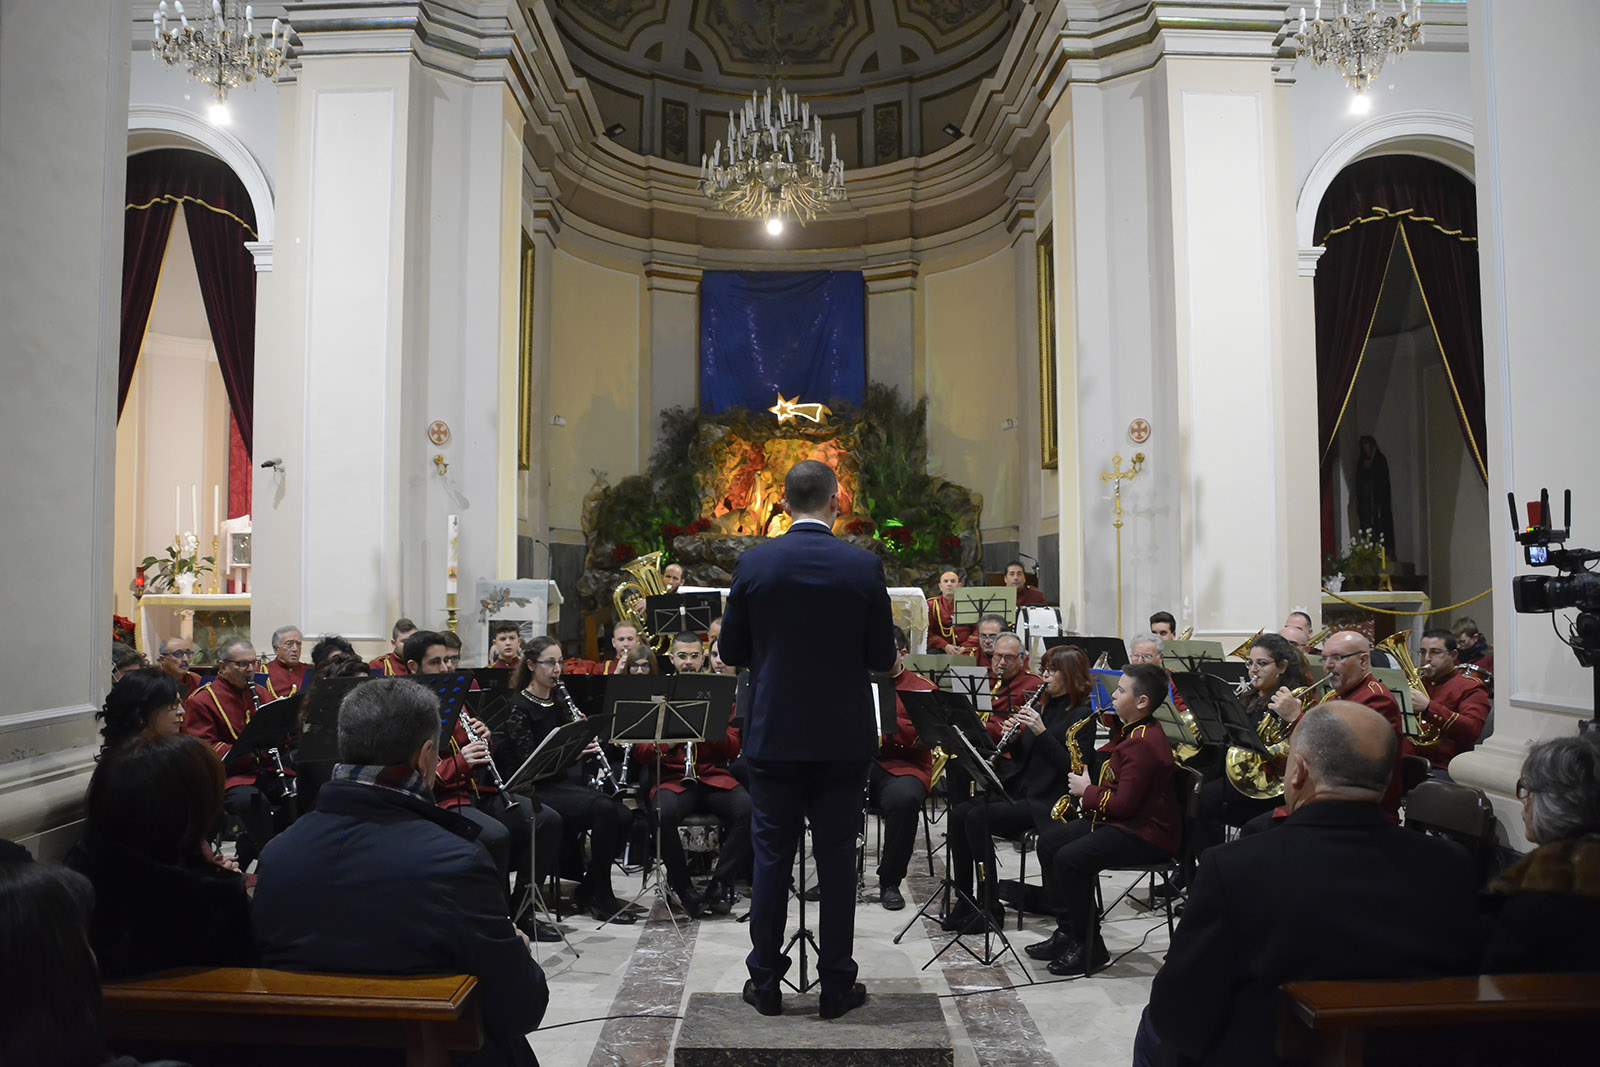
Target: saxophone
{"points": [[1066, 809]]}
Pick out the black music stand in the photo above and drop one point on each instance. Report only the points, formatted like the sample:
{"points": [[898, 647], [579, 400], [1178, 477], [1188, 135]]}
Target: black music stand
{"points": [[268, 731], [1217, 711], [561, 749], [1189, 655], [661, 710], [1232, 671], [947, 719], [968, 606], [676, 613], [319, 736], [1113, 648], [451, 689]]}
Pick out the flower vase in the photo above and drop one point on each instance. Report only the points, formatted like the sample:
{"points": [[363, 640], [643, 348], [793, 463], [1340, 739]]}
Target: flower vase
{"points": [[1335, 584], [186, 583]]}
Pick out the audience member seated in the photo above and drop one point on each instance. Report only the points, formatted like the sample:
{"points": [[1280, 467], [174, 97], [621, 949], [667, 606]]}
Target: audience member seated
{"points": [[1453, 710], [143, 704], [285, 672], [505, 646], [1035, 776], [1017, 578], [898, 782], [1471, 646], [712, 789], [1335, 892], [124, 660], [1164, 626], [393, 663], [216, 713], [687, 655], [161, 901], [943, 633], [1129, 815], [176, 653], [381, 880], [1544, 911]]}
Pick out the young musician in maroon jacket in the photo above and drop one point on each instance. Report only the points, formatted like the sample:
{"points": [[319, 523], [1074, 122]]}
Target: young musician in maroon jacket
{"points": [[1453, 709], [1130, 816], [216, 713], [898, 782], [393, 664], [713, 789]]}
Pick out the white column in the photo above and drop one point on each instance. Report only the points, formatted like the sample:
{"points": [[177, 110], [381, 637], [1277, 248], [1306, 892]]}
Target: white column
{"points": [[672, 300], [1537, 220], [892, 335], [63, 166]]}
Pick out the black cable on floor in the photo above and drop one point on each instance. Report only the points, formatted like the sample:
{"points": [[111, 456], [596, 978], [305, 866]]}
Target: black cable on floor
{"points": [[1057, 981], [606, 1019]]}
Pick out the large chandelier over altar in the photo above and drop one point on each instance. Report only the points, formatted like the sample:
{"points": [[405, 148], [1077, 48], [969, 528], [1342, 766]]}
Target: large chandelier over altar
{"points": [[219, 48], [773, 165], [1359, 44]]}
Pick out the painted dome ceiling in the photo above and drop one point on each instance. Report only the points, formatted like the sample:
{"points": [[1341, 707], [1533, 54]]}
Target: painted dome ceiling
{"points": [[886, 75]]}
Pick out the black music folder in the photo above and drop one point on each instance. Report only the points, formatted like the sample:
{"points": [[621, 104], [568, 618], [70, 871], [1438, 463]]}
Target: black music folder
{"points": [[671, 708], [1113, 648], [561, 748], [319, 737], [268, 728]]}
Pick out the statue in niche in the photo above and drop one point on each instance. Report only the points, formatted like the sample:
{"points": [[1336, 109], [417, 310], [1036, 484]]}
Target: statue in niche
{"points": [[1374, 510]]}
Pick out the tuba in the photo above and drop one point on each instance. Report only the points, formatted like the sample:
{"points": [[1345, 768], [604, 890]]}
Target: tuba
{"points": [[1429, 731], [645, 580]]}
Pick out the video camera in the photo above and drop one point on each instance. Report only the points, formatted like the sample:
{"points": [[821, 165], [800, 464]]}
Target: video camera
{"points": [[1576, 587]]}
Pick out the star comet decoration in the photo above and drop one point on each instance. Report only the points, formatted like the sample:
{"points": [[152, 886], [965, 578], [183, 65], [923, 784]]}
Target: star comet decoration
{"points": [[789, 410]]}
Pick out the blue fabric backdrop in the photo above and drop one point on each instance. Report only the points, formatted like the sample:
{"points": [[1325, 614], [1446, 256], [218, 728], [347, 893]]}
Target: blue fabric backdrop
{"points": [[801, 333]]}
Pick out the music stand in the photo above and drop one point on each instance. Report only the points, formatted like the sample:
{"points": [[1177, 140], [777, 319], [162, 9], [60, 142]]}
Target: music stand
{"points": [[1235, 673], [319, 737], [1112, 648], [561, 749], [676, 613], [451, 689], [1188, 655], [968, 606], [267, 731], [1215, 708], [661, 710], [972, 684]]}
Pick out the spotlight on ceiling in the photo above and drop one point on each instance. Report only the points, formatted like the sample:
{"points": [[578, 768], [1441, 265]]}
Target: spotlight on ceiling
{"points": [[952, 130], [615, 130], [219, 115], [775, 226], [1360, 104]]}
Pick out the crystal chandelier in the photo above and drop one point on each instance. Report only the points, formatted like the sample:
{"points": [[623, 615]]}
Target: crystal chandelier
{"points": [[1359, 44], [772, 166], [220, 50]]}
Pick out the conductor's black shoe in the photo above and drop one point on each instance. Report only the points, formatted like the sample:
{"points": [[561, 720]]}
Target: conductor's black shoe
{"points": [[719, 898], [814, 893], [765, 1001], [833, 1007], [1057, 945], [891, 899], [1081, 960]]}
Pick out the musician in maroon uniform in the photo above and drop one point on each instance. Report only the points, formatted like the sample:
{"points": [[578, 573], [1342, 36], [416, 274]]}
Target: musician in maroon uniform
{"points": [[1011, 683], [216, 713], [990, 627], [1035, 777], [176, 655], [1454, 706], [393, 664], [505, 646], [712, 788], [1131, 811], [1147, 648], [1347, 657], [1027, 595], [898, 782], [624, 636], [943, 633], [285, 672]]}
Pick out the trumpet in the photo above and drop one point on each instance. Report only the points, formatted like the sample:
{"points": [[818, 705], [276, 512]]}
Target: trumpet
{"points": [[472, 738], [578, 716]]}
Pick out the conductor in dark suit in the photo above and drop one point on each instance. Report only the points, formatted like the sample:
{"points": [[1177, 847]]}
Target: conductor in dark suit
{"points": [[810, 731], [1335, 892]]}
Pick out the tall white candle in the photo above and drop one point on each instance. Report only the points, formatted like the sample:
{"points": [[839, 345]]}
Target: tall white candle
{"points": [[194, 507], [453, 533], [177, 510]]}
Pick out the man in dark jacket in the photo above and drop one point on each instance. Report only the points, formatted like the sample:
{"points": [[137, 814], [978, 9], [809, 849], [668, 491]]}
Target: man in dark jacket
{"points": [[379, 880], [811, 730], [1332, 893]]}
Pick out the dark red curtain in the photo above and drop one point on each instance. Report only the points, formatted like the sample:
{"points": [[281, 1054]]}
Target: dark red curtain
{"points": [[146, 227], [1358, 223]]}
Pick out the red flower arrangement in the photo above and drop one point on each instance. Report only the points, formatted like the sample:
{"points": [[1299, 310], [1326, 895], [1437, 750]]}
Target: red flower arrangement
{"points": [[949, 546], [699, 526], [899, 536], [122, 629], [670, 531], [858, 526], [622, 553]]}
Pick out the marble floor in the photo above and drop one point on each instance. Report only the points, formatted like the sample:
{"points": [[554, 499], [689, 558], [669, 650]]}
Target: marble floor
{"points": [[996, 1019]]}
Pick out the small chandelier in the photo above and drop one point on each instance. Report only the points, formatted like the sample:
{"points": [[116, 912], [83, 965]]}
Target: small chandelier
{"points": [[773, 165], [221, 50], [1359, 44]]}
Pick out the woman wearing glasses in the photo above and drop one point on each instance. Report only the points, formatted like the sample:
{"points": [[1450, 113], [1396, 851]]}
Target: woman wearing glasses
{"points": [[535, 711]]}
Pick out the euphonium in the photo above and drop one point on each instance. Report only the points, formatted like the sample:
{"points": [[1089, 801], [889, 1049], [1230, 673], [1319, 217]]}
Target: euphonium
{"points": [[1317, 638], [940, 758], [1188, 632], [646, 581], [1243, 651], [1066, 808], [1429, 731], [1104, 662]]}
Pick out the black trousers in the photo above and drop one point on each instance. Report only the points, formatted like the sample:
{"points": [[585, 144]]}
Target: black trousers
{"points": [[732, 806], [899, 797], [605, 819], [974, 825], [1072, 855], [783, 795], [507, 832], [260, 819]]}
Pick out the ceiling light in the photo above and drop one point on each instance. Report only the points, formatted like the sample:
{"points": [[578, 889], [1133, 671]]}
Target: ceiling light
{"points": [[616, 129], [952, 130], [219, 115], [775, 226], [220, 49], [1359, 44]]}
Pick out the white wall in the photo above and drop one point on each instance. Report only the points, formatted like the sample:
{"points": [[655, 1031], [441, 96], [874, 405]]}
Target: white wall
{"points": [[252, 109]]}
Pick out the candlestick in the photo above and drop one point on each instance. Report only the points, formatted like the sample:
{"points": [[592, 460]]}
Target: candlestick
{"points": [[450, 612], [216, 510], [454, 531], [216, 544]]}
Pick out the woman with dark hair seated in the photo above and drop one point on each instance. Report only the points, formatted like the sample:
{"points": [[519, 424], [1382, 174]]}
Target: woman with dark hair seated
{"points": [[639, 660], [142, 703], [162, 902], [1545, 909]]}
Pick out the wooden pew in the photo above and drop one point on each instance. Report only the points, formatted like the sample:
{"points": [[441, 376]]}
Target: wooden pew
{"points": [[1340, 1023], [426, 1016]]}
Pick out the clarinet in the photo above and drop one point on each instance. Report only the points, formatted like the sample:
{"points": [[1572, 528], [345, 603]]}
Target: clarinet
{"points": [[578, 716], [289, 785], [1013, 725], [472, 738]]}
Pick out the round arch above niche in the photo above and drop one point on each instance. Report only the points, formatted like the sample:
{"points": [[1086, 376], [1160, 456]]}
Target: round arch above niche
{"points": [[1437, 135], [151, 126]]}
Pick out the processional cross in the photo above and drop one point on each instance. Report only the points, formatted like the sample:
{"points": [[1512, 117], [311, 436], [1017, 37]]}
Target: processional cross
{"points": [[1116, 476]]}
